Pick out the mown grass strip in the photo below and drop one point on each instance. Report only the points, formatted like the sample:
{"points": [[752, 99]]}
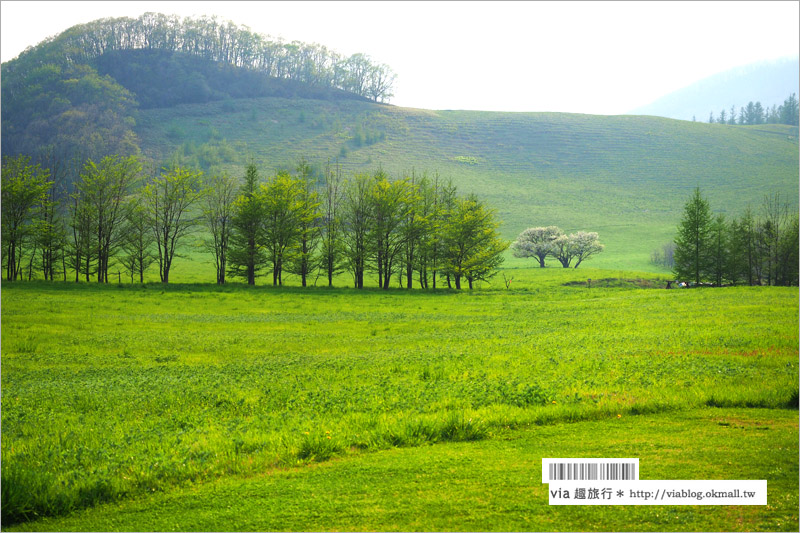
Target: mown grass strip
{"points": [[490, 485]]}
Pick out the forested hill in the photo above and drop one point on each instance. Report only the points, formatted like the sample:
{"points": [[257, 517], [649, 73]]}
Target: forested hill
{"points": [[77, 94]]}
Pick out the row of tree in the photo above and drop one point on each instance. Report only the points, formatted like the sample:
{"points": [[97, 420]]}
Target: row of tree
{"points": [[755, 113], [223, 42], [550, 241], [415, 228], [756, 249]]}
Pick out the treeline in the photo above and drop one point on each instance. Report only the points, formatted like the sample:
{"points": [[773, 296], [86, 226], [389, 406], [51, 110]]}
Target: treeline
{"points": [[222, 42], [754, 249], [415, 228], [755, 113]]}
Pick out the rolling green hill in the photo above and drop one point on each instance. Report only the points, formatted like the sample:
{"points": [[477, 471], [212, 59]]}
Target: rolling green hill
{"points": [[626, 177], [174, 90]]}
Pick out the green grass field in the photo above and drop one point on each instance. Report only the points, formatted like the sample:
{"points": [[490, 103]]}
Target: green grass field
{"points": [[490, 485], [198, 404], [626, 177]]}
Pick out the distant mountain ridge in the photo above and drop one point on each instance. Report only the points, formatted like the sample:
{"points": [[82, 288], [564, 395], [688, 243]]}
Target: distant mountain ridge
{"points": [[769, 82]]}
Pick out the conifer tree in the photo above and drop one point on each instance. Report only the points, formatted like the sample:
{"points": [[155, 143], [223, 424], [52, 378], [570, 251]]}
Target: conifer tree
{"points": [[245, 252], [692, 245]]}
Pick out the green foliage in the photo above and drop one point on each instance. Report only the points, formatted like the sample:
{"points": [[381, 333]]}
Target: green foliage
{"points": [[169, 200], [693, 260], [66, 106], [756, 250], [472, 245], [23, 187], [100, 194], [79, 91]]}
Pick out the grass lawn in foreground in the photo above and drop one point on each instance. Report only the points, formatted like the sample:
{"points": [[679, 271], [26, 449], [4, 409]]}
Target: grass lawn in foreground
{"points": [[491, 485], [111, 393]]}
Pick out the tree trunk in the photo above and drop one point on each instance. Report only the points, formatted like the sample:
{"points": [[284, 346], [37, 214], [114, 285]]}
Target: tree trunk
{"points": [[457, 280]]}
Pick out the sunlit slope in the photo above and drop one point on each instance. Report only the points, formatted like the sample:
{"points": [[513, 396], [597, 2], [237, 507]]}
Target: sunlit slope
{"points": [[624, 176]]}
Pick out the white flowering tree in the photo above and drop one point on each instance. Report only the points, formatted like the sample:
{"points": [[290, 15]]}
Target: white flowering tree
{"points": [[583, 244], [536, 242]]}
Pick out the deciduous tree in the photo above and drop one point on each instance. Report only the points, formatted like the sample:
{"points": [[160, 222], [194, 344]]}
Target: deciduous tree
{"points": [[218, 213], [308, 224], [356, 218], [23, 187], [331, 248], [536, 242], [104, 188], [169, 199], [472, 244], [584, 244]]}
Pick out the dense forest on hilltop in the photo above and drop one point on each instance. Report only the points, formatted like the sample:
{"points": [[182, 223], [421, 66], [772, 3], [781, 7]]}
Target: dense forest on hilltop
{"points": [[75, 95]]}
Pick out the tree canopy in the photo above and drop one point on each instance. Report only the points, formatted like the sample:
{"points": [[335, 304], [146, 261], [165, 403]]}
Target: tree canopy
{"points": [[77, 93]]}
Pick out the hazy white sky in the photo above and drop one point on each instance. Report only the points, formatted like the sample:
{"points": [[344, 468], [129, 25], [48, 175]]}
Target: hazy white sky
{"points": [[579, 57]]}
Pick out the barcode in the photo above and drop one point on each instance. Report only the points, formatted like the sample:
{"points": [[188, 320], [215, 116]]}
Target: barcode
{"points": [[581, 471], [590, 470]]}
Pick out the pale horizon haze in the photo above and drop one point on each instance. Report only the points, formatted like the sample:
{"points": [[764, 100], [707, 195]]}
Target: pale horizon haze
{"points": [[579, 57]]}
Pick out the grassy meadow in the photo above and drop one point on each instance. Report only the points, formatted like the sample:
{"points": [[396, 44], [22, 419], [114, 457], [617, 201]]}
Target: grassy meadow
{"points": [[626, 177], [122, 398]]}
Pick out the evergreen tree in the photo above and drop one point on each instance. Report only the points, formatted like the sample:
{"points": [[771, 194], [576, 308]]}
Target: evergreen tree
{"points": [[750, 114], [245, 251], [790, 112], [692, 245], [758, 113]]}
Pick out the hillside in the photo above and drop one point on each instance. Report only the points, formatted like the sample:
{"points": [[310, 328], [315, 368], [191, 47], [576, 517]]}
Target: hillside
{"points": [[213, 96], [769, 82], [624, 176], [76, 95]]}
